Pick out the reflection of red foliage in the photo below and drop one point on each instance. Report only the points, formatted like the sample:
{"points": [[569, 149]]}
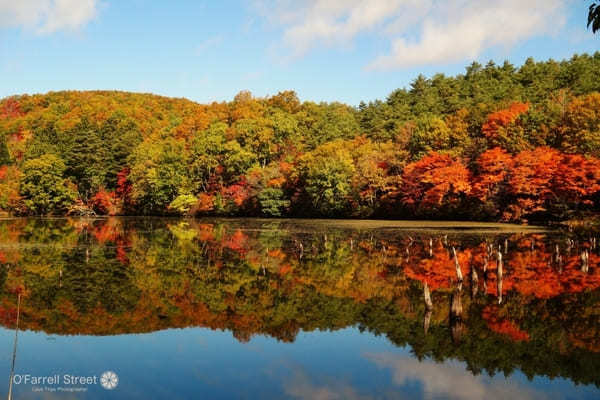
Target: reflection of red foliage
{"points": [[532, 273], [105, 233], [111, 231], [67, 308], [503, 326], [8, 315], [18, 288], [438, 272], [3, 170], [122, 253], [285, 269], [236, 242], [277, 253], [206, 232]]}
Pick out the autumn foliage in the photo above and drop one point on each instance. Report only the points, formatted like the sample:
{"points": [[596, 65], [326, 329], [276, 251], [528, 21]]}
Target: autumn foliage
{"points": [[503, 326], [525, 148], [499, 121], [435, 181]]}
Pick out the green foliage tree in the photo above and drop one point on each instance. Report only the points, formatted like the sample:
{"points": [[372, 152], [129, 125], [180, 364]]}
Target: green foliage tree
{"points": [[44, 187], [122, 135], [273, 202], [183, 204], [322, 123], [430, 134], [4, 154], [159, 174], [206, 152], [237, 160], [327, 172], [85, 158], [285, 128], [580, 130], [256, 136]]}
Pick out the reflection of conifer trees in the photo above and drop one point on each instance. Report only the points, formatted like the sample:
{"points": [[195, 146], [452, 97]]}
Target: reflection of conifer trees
{"points": [[95, 277]]}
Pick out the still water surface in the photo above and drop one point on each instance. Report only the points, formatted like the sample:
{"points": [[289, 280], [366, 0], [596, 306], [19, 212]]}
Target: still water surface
{"points": [[229, 309]]}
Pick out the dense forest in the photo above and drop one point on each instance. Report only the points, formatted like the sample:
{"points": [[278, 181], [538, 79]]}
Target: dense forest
{"points": [[495, 143], [536, 311]]}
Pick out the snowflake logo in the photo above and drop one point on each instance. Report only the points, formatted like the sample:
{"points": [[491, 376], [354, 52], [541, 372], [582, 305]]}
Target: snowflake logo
{"points": [[109, 380]]}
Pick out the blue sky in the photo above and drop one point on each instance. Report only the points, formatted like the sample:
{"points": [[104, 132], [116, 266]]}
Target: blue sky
{"points": [[346, 50]]}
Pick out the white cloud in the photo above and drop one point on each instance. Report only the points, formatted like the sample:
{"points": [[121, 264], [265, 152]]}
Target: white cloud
{"points": [[47, 16], [419, 31], [300, 387], [330, 22], [450, 380]]}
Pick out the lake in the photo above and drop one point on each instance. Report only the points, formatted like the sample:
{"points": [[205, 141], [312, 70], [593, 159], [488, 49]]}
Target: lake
{"points": [[299, 309]]}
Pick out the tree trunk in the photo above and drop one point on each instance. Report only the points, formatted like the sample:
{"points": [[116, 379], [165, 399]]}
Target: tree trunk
{"points": [[427, 297], [499, 273], [459, 275]]}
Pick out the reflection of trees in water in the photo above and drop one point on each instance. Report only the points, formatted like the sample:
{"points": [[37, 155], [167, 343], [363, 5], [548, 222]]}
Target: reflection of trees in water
{"points": [[498, 301]]}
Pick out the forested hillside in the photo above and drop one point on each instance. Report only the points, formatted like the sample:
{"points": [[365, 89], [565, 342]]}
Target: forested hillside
{"points": [[495, 143]]}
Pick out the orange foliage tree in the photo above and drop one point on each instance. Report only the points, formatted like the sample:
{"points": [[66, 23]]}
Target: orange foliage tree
{"points": [[544, 178], [500, 129], [434, 183], [490, 182]]}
